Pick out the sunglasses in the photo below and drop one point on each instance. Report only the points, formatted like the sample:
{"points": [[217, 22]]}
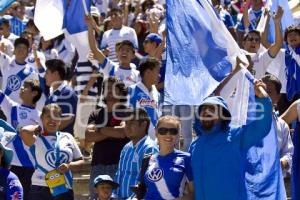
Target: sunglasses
{"points": [[253, 39], [165, 131]]}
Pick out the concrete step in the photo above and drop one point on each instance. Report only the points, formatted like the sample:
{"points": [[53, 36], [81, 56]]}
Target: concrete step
{"points": [[81, 196], [81, 184]]}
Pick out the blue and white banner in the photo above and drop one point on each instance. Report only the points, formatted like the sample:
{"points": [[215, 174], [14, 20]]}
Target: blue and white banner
{"points": [[5, 4], [200, 51]]}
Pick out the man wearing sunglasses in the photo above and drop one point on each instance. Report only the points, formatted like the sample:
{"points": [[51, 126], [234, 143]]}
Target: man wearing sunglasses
{"points": [[218, 155]]}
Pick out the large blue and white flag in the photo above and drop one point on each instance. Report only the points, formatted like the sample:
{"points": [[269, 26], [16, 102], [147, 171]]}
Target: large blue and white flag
{"points": [[264, 180], [5, 4], [200, 51], [66, 17]]}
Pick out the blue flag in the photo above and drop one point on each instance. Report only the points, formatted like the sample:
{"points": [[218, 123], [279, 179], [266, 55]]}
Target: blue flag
{"points": [[263, 175], [5, 4], [76, 29], [74, 16], [296, 164], [200, 51]]}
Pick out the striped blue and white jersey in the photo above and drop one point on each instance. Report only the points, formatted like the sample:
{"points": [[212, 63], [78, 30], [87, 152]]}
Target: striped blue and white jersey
{"points": [[141, 97], [84, 71], [113, 36], [129, 76], [130, 165], [17, 26], [14, 75], [45, 153], [18, 116], [167, 176]]}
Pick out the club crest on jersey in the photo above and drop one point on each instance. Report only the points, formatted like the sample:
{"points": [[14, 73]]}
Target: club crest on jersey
{"points": [[23, 115], [147, 103], [13, 83], [31, 60], [155, 174], [50, 157]]}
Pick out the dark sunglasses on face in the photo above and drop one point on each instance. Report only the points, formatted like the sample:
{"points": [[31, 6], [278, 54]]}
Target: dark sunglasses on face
{"points": [[165, 131], [253, 39]]}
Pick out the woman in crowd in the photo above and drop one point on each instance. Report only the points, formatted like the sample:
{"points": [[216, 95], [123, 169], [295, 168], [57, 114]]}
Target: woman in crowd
{"points": [[169, 170], [56, 154]]}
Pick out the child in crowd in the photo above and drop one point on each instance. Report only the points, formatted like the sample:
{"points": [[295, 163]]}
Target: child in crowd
{"points": [[104, 186]]}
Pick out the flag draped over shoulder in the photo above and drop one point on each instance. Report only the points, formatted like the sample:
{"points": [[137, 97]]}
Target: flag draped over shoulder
{"points": [[200, 51], [5, 4], [264, 180], [54, 17]]}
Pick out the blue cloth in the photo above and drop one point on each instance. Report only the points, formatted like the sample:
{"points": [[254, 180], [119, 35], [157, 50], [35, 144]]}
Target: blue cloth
{"points": [[11, 188], [197, 57], [218, 157], [254, 17], [5, 4], [166, 176], [295, 184], [67, 99], [74, 16], [130, 165], [293, 74]]}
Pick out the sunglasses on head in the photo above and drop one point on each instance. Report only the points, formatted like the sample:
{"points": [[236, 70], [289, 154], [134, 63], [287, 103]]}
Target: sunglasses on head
{"points": [[165, 131]]}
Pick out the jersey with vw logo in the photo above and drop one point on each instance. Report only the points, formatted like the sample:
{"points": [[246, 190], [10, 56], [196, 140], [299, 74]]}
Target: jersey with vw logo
{"points": [[19, 116], [166, 176], [14, 75], [129, 76], [141, 97], [46, 158]]}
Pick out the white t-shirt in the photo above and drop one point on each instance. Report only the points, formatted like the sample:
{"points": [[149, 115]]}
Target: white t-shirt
{"points": [[261, 61], [113, 36], [46, 158], [129, 76]]}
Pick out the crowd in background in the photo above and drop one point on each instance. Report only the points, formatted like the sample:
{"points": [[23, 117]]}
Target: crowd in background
{"points": [[58, 110]]}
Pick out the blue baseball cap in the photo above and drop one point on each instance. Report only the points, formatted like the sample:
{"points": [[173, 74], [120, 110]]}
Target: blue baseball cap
{"points": [[154, 37], [5, 19], [5, 138], [102, 179]]}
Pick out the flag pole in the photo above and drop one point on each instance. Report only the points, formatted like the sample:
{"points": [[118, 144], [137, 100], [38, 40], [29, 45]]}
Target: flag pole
{"points": [[251, 78], [86, 12]]}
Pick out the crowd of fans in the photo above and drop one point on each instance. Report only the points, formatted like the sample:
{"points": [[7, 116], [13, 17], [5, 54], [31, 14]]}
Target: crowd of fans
{"points": [[58, 110]]}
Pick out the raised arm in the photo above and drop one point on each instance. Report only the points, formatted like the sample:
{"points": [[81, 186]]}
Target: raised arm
{"points": [[275, 47], [97, 53], [255, 131], [291, 113], [265, 33]]}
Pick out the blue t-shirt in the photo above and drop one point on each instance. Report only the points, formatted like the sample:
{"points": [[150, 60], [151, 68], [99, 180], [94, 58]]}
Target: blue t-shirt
{"points": [[67, 99], [166, 176], [10, 186]]}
